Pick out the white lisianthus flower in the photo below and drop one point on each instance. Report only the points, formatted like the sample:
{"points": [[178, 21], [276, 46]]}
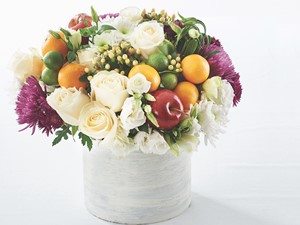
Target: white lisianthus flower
{"points": [[212, 119], [147, 36], [98, 122], [25, 64], [86, 57], [121, 144], [189, 141], [151, 143], [75, 38], [111, 37], [68, 103], [110, 89], [124, 26], [219, 91], [133, 14], [132, 115], [138, 84]]}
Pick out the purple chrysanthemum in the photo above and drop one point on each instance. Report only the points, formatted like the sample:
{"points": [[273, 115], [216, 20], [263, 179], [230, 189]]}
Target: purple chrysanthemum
{"points": [[111, 15], [221, 65], [32, 108]]}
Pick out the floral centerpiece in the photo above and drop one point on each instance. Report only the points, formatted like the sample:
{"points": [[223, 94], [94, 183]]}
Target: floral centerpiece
{"points": [[134, 80]]}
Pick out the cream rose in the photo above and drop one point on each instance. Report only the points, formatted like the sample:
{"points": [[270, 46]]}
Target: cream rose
{"points": [[138, 84], [26, 63], [147, 36], [68, 103], [86, 57], [110, 88], [133, 14], [98, 122], [132, 115]]}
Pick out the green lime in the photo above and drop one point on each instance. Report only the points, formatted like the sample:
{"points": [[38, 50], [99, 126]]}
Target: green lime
{"points": [[53, 60], [49, 77], [169, 80], [159, 61], [167, 47]]}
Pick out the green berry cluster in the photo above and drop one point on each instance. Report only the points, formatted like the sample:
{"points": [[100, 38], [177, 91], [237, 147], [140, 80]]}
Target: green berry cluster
{"points": [[119, 58]]}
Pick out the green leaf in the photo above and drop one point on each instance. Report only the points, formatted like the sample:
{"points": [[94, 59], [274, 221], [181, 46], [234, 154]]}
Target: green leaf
{"points": [[86, 23], [61, 134], [94, 14], [71, 56], [55, 34], [85, 32], [144, 128], [177, 29], [74, 130], [65, 32], [172, 144], [211, 53], [185, 125], [105, 28], [190, 47], [70, 46], [86, 140], [152, 118]]}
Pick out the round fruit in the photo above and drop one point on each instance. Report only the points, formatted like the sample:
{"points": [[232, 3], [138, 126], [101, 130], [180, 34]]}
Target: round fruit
{"points": [[158, 61], [51, 43], [195, 68], [53, 60], [69, 76], [188, 93], [49, 77], [167, 47], [149, 72], [169, 80]]}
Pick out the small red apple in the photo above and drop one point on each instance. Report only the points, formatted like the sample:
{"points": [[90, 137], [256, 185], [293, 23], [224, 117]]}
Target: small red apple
{"points": [[167, 108], [81, 20]]}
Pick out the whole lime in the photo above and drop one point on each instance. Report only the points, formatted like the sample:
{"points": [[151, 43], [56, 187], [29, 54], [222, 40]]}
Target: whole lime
{"points": [[158, 61], [167, 47], [49, 77], [53, 60], [169, 80]]}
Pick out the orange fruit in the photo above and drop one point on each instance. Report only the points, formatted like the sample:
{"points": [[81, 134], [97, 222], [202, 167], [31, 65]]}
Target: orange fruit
{"points": [[149, 72], [195, 68], [69, 74], [187, 93], [51, 43]]}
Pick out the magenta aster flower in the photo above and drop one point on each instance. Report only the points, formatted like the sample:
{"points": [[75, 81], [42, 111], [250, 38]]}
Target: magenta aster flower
{"points": [[221, 65], [32, 108]]}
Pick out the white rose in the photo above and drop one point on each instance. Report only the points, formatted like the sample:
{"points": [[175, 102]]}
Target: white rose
{"points": [[121, 144], [219, 91], [151, 143], [110, 88], [132, 115], [133, 14], [75, 38], [138, 84], [98, 122], [68, 103], [87, 56], [147, 36], [26, 63]]}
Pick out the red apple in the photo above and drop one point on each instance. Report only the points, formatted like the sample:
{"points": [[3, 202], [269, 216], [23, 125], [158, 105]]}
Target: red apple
{"points": [[81, 20], [167, 108]]}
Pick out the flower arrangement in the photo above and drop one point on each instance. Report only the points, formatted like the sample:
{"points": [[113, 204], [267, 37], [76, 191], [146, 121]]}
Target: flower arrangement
{"points": [[134, 80]]}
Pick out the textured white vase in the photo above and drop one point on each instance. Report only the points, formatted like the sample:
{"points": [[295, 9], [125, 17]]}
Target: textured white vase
{"points": [[138, 189]]}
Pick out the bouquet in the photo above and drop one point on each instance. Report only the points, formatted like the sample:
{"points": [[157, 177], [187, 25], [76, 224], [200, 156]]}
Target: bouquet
{"points": [[134, 80]]}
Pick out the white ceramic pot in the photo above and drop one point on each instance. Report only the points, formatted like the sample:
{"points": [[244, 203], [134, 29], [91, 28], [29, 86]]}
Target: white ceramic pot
{"points": [[138, 189]]}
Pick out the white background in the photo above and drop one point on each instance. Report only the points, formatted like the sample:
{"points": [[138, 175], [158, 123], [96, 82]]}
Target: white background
{"points": [[251, 177]]}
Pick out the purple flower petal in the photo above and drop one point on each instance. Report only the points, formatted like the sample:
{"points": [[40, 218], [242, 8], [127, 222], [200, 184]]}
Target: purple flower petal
{"points": [[32, 108]]}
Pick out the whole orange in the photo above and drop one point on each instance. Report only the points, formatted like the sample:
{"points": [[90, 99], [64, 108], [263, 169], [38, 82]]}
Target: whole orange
{"points": [[195, 68], [69, 74], [187, 93], [149, 72], [51, 43]]}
